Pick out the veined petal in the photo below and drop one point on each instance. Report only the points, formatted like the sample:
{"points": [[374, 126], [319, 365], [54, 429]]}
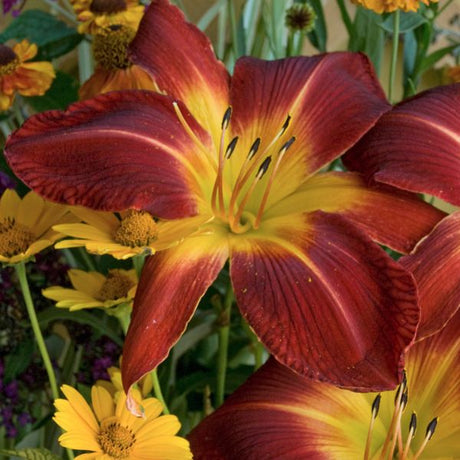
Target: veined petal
{"points": [[389, 216], [121, 150], [333, 99], [325, 300], [181, 60], [416, 146], [435, 264], [172, 283]]}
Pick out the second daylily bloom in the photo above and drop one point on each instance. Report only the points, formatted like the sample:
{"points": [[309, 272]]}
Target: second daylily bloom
{"points": [[241, 154]]}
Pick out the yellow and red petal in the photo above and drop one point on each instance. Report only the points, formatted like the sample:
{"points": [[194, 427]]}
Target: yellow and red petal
{"points": [[416, 146], [332, 99], [149, 161], [435, 264], [181, 60], [392, 217], [325, 300], [172, 283]]}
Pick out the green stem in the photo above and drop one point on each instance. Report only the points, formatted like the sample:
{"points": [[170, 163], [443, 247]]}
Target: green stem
{"points": [[258, 354], [157, 390], [394, 54], [232, 16], [138, 264], [222, 357], [21, 272], [345, 17]]}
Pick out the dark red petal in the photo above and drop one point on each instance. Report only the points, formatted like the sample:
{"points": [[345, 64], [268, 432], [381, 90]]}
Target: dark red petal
{"points": [[333, 99], [416, 146], [172, 283], [325, 300], [121, 150], [390, 216], [435, 264], [181, 60]]}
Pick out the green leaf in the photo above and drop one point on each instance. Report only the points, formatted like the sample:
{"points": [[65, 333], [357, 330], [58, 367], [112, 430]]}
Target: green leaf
{"points": [[18, 361], [318, 36], [53, 37], [434, 57], [31, 454], [63, 91], [407, 22]]}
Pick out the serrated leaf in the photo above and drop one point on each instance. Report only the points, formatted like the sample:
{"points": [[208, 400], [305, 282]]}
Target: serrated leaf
{"points": [[31, 454], [53, 37], [407, 21], [63, 91]]}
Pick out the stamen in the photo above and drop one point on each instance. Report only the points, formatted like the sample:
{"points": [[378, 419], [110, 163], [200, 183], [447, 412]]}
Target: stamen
{"points": [[218, 189], [375, 411], [397, 435], [411, 434], [430, 429], [253, 150], [231, 148], [263, 203]]}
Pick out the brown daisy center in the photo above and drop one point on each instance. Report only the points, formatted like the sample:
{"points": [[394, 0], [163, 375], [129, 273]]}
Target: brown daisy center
{"points": [[116, 440], [110, 47], [8, 60], [300, 17], [107, 6], [14, 238], [116, 286], [137, 229]]}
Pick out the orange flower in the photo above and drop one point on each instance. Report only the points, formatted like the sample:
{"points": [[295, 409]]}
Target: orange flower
{"points": [[388, 6], [114, 70], [28, 79]]}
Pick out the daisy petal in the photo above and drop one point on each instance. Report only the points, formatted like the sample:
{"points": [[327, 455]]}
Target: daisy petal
{"points": [[147, 142], [435, 264], [416, 146], [325, 300], [172, 283]]}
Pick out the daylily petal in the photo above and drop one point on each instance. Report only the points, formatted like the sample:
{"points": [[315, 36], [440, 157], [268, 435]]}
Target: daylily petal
{"points": [[333, 99], [325, 300], [183, 63], [389, 216], [172, 283], [435, 264], [89, 154], [416, 146]]}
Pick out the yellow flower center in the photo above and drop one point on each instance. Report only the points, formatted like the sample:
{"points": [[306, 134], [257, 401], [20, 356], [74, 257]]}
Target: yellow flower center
{"points": [[14, 238], [116, 440], [137, 229], [110, 47], [116, 286], [8, 60], [107, 6]]}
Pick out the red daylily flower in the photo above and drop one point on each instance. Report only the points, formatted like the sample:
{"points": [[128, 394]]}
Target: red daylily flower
{"points": [[321, 296], [277, 414]]}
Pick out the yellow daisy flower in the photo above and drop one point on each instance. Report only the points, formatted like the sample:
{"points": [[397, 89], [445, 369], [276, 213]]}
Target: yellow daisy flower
{"points": [[114, 70], [98, 14], [388, 6], [110, 432], [25, 225], [94, 290], [17, 75], [125, 235]]}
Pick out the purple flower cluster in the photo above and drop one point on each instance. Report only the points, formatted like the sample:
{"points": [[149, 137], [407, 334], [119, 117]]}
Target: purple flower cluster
{"points": [[13, 6]]}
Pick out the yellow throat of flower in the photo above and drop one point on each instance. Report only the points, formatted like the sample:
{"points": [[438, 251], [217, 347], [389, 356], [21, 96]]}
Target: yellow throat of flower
{"points": [[14, 238], [116, 440], [116, 286], [137, 229], [8, 60], [110, 47]]}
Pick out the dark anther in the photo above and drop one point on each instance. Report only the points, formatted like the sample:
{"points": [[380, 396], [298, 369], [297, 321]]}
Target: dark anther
{"points": [[286, 124], [263, 167], [231, 147], [413, 423], [431, 428], [226, 119], [254, 147], [376, 405], [287, 144]]}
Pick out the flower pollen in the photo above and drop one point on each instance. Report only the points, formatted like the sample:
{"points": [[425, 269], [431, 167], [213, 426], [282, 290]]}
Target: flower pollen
{"points": [[14, 238], [8, 60], [137, 229], [107, 6], [116, 286], [110, 47], [116, 440]]}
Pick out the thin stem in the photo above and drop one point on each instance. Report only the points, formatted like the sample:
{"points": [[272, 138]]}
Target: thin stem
{"points": [[138, 264], [21, 273], [233, 27], [394, 54], [345, 17], [258, 354], [157, 390], [222, 358]]}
